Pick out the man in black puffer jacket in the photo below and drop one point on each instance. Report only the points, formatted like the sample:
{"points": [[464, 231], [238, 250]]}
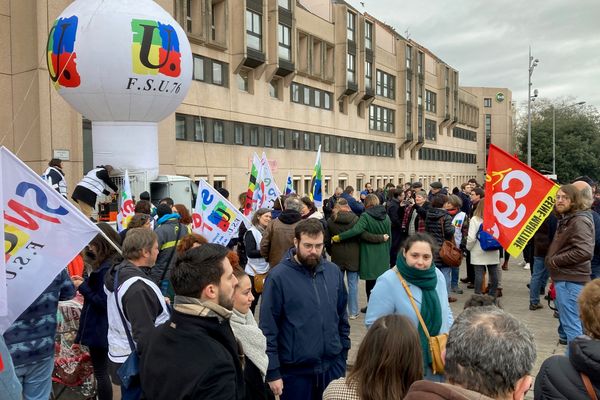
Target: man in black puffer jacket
{"points": [[561, 377], [438, 224]]}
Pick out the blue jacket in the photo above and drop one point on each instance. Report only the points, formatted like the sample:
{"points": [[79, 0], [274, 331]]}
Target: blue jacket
{"points": [[303, 316], [30, 338], [356, 207], [389, 297], [93, 323]]}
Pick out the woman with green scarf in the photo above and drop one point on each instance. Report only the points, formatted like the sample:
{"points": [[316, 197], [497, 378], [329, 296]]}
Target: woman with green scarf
{"points": [[428, 288]]}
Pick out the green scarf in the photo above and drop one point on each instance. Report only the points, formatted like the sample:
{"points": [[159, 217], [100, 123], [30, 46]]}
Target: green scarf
{"points": [[431, 310]]}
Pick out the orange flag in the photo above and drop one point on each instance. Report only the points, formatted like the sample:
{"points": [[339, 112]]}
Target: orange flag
{"points": [[517, 200]]}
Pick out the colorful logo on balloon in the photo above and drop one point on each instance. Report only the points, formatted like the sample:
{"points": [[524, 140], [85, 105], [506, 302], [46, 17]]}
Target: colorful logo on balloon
{"points": [[155, 48], [61, 60]]}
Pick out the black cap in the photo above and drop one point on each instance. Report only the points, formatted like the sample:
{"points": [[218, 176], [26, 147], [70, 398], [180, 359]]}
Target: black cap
{"points": [[145, 196], [417, 185], [435, 185]]}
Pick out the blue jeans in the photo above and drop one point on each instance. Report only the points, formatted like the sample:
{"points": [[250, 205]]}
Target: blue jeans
{"points": [[454, 283], [352, 278], [568, 311], [311, 386], [447, 271], [539, 278], [36, 379]]}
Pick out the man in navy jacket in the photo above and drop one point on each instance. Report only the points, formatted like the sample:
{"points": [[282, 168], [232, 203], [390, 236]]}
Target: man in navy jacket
{"points": [[303, 316], [356, 207]]}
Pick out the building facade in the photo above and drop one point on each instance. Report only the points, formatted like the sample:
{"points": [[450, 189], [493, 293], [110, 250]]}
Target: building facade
{"points": [[276, 76]]}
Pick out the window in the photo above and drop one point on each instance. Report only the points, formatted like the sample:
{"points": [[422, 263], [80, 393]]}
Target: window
{"points": [[280, 138], [310, 96], [295, 89], [327, 143], [419, 93], [198, 68], [285, 46], [327, 101], [254, 30], [350, 26], [180, 127], [421, 61], [242, 80], [464, 134], [409, 57], [317, 141], [254, 136], [338, 144], [430, 101], [408, 87], [295, 140], [218, 135], [306, 141], [199, 129], [268, 137], [368, 35], [351, 68], [381, 118], [488, 125], [487, 102], [368, 75], [204, 66], [385, 85], [238, 131], [430, 129], [408, 121], [274, 88], [217, 73], [284, 4], [420, 122]]}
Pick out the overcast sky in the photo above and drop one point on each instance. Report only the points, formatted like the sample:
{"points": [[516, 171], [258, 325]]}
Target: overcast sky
{"points": [[487, 41]]}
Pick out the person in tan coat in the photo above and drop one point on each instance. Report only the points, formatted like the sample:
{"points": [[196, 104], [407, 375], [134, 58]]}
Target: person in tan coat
{"points": [[279, 235]]}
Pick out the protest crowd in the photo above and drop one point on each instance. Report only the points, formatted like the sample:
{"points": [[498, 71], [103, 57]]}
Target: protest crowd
{"points": [[263, 313]]}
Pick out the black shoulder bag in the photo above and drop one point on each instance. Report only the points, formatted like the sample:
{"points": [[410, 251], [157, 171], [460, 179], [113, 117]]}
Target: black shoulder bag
{"points": [[164, 284]]}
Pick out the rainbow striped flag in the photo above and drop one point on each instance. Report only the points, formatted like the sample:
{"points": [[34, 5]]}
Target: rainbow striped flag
{"points": [[250, 204]]}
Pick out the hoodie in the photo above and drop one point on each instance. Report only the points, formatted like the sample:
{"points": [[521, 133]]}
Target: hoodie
{"points": [[426, 390]]}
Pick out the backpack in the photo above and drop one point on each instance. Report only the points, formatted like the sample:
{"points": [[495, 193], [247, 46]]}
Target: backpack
{"points": [[487, 241]]}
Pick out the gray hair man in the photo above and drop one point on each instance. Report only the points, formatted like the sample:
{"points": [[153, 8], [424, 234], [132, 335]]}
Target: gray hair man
{"points": [[278, 238], [489, 355]]}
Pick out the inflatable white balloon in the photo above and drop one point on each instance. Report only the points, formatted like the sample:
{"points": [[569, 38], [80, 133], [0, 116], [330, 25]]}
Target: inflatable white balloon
{"points": [[125, 65]]}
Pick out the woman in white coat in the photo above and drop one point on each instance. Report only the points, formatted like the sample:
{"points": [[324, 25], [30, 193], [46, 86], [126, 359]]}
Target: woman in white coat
{"points": [[480, 258]]}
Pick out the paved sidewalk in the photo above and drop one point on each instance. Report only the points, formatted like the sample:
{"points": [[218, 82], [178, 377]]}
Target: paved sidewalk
{"points": [[515, 301]]}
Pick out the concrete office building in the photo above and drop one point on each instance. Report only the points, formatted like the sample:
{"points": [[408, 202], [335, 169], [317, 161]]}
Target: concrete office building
{"points": [[279, 76]]}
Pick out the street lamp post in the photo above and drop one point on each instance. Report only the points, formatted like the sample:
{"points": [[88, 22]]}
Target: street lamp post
{"points": [[532, 64], [554, 133]]}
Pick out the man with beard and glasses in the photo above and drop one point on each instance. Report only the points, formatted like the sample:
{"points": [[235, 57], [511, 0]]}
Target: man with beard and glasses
{"points": [[303, 316], [195, 355]]}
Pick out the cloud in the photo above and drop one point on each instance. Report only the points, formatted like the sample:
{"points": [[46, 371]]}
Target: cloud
{"points": [[488, 41]]}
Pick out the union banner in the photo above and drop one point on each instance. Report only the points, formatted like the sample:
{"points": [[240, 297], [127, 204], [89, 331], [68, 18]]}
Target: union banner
{"points": [[517, 200]]}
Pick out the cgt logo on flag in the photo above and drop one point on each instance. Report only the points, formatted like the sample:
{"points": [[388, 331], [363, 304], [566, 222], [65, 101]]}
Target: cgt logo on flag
{"points": [[155, 48], [61, 58]]}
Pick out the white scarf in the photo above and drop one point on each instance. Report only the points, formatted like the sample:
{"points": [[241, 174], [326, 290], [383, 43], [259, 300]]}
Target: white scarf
{"points": [[253, 341]]}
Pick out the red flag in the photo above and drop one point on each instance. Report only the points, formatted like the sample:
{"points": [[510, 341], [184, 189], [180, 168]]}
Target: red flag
{"points": [[517, 200]]}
